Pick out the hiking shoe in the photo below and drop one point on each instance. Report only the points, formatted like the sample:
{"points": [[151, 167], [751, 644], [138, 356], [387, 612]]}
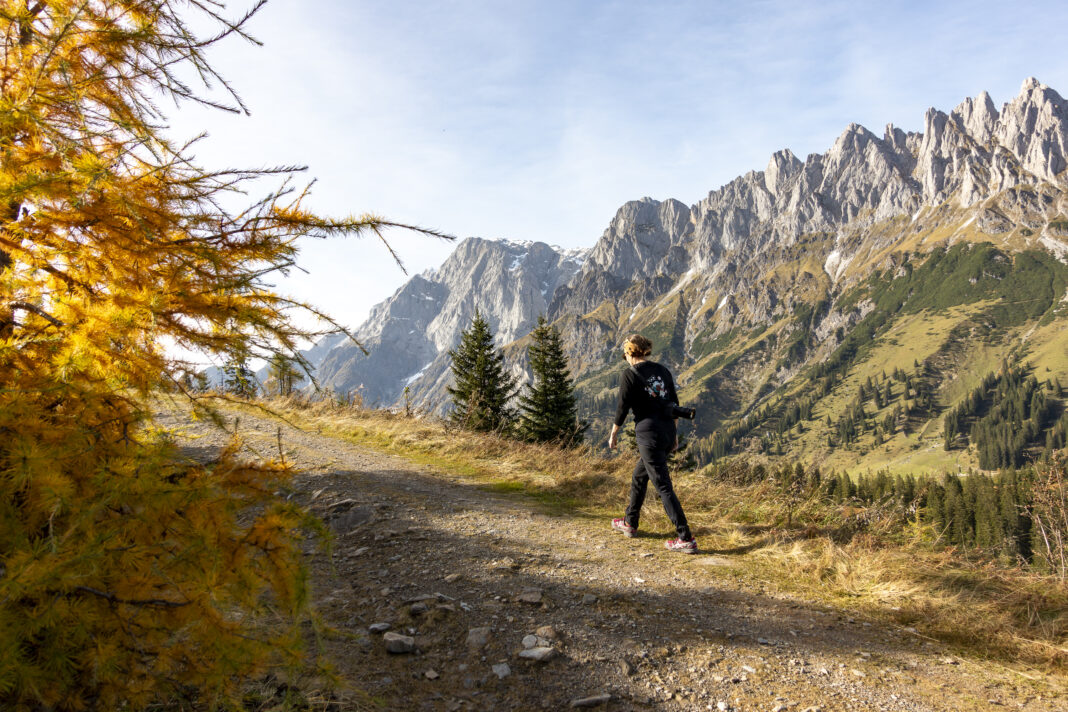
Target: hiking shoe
{"points": [[621, 525], [685, 547]]}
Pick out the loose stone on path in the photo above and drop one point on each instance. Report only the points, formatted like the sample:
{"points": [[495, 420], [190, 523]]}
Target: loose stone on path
{"points": [[540, 654], [591, 701], [547, 632], [530, 595], [397, 643], [477, 638]]}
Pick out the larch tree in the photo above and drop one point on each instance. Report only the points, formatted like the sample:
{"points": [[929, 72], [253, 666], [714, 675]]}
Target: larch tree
{"points": [[126, 574], [482, 391], [547, 411]]}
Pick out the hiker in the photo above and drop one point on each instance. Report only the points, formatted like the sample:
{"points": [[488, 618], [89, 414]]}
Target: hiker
{"points": [[643, 388]]}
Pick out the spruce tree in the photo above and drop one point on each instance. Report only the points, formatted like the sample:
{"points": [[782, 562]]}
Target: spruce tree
{"points": [[934, 510], [481, 389], [547, 410], [988, 534]]}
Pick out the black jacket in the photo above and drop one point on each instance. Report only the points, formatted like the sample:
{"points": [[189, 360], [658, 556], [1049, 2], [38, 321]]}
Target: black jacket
{"points": [[633, 396]]}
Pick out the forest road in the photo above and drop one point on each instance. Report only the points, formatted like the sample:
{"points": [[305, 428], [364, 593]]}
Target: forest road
{"points": [[479, 580]]}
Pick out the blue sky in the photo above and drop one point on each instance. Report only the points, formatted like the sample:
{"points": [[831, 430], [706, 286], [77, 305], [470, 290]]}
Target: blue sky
{"points": [[537, 120]]}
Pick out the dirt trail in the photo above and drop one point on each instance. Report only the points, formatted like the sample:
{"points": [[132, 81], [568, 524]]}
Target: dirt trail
{"points": [[435, 556]]}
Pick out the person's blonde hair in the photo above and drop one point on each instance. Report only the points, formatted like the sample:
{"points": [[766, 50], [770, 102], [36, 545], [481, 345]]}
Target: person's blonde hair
{"points": [[637, 346]]}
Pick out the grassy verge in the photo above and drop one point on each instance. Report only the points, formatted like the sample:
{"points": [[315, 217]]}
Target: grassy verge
{"points": [[861, 560]]}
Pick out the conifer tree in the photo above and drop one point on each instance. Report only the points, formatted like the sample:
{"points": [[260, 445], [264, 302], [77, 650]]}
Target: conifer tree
{"points": [[130, 575], [812, 483], [238, 378], [934, 511], [954, 513], [547, 410], [284, 373], [987, 518], [481, 391]]}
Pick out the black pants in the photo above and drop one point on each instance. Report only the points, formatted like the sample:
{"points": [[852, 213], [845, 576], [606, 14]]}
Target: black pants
{"points": [[654, 448]]}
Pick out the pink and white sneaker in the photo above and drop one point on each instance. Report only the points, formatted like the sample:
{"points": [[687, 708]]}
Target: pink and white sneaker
{"points": [[681, 546], [621, 525]]}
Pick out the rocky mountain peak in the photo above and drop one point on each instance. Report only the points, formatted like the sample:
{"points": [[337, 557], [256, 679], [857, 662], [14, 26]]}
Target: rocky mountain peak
{"points": [[1034, 127], [782, 168], [640, 237], [854, 138], [977, 117], [511, 283], [895, 138]]}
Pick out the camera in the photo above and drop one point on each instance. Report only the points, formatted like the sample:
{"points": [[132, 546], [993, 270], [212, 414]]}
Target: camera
{"points": [[679, 411]]}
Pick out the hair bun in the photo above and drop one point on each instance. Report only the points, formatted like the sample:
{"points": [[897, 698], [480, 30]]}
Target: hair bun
{"points": [[637, 346]]}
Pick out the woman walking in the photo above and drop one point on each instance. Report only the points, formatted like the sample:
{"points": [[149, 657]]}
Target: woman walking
{"points": [[644, 388]]}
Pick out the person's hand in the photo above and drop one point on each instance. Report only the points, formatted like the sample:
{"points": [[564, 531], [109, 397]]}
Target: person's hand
{"points": [[676, 444], [613, 440]]}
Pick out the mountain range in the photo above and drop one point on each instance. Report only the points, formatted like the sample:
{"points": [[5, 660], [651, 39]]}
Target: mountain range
{"points": [[786, 298], [408, 336]]}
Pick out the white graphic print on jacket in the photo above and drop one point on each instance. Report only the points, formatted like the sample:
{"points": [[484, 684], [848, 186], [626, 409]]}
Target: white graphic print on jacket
{"points": [[655, 387]]}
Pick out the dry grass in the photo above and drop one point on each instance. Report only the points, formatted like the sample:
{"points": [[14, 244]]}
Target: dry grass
{"points": [[1004, 614], [860, 560]]}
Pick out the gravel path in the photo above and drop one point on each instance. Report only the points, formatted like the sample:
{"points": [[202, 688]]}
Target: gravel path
{"points": [[472, 582]]}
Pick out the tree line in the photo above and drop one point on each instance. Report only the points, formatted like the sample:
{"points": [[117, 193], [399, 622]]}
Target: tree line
{"points": [[1008, 516], [1005, 417]]}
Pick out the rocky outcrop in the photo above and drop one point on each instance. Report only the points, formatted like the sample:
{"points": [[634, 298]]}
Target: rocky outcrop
{"points": [[640, 238], [1033, 127]]}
